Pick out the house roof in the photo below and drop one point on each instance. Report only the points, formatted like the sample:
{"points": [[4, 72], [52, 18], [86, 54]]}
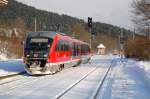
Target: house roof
{"points": [[101, 46]]}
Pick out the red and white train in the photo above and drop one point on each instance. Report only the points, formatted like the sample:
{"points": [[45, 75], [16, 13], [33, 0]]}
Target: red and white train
{"points": [[47, 52]]}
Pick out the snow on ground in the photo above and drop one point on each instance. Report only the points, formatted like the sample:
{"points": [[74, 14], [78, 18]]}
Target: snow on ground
{"points": [[145, 66], [11, 67], [142, 69], [99, 59], [129, 82], [46, 87], [128, 79], [3, 57]]}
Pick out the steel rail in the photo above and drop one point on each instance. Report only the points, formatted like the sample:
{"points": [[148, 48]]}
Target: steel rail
{"points": [[12, 75], [59, 95], [101, 82]]}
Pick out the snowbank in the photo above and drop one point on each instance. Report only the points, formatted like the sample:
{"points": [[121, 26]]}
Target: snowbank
{"points": [[142, 69], [145, 66], [10, 67], [3, 57]]}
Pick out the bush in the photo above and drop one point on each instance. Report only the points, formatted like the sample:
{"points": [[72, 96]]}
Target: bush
{"points": [[137, 48]]}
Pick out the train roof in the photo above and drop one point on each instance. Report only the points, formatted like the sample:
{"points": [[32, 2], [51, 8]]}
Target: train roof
{"points": [[49, 34]]}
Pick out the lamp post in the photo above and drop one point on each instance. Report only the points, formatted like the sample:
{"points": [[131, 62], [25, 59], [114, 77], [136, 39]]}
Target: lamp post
{"points": [[133, 35], [121, 43]]}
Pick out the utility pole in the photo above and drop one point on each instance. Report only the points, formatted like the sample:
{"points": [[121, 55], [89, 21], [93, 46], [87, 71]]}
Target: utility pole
{"points": [[58, 27], [121, 43], [35, 23], [133, 35], [148, 31]]}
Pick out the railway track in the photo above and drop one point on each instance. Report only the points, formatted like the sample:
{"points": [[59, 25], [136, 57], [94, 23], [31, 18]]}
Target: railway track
{"points": [[95, 69], [96, 91], [12, 75], [26, 80], [73, 85], [15, 77], [100, 84]]}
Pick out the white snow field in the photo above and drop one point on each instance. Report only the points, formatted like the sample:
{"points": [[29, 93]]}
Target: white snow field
{"points": [[145, 69], [127, 79], [9, 67]]}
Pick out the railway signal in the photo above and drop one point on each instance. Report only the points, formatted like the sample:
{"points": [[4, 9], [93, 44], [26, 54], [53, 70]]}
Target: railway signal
{"points": [[90, 22], [90, 29]]}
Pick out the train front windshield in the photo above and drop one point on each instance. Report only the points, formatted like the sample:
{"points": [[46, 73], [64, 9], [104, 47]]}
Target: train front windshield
{"points": [[38, 43], [37, 47]]}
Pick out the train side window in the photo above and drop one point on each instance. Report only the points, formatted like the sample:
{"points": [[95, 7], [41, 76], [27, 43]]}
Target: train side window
{"points": [[74, 49], [62, 46], [57, 48], [86, 49], [66, 46], [77, 49], [82, 49]]}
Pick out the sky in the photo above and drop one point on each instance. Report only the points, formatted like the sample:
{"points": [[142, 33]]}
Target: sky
{"points": [[116, 12]]}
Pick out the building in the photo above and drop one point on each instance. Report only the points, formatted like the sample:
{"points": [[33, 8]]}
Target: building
{"points": [[101, 49]]}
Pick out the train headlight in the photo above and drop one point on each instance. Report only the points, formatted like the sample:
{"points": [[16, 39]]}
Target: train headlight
{"points": [[45, 55], [28, 55], [49, 45]]}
